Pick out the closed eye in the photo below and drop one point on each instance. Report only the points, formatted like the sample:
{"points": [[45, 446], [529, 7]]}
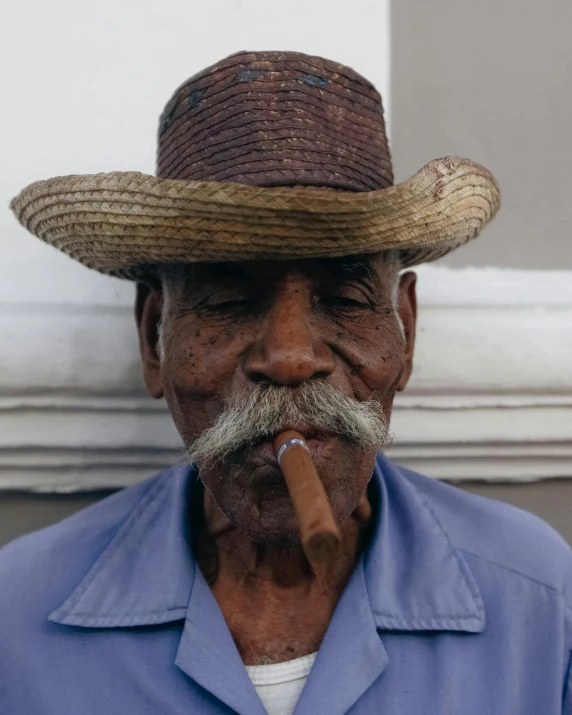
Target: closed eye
{"points": [[228, 305], [345, 302]]}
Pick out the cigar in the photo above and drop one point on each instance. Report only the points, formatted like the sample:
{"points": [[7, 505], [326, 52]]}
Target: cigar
{"points": [[319, 533]]}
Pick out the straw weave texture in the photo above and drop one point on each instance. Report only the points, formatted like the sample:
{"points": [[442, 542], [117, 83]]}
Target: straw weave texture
{"points": [[119, 222], [263, 155]]}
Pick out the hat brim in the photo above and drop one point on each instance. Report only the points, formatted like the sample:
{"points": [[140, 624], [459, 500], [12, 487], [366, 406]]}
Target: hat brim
{"points": [[119, 222]]}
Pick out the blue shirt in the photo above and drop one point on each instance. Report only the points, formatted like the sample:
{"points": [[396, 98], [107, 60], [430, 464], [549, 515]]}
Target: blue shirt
{"points": [[458, 605]]}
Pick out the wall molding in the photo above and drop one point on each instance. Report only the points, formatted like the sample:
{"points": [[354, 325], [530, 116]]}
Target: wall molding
{"points": [[491, 397]]}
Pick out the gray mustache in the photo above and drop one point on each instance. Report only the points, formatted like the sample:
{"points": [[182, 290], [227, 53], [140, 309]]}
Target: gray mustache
{"points": [[268, 409]]}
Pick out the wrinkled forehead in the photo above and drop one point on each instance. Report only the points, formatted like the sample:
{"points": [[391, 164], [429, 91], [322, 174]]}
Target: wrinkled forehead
{"points": [[378, 269]]}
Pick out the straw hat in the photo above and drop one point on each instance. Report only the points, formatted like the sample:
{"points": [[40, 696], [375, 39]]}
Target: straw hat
{"points": [[249, 151]]}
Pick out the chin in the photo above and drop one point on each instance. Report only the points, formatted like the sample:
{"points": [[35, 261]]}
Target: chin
{"points": [[251, 491], [266, 513]]}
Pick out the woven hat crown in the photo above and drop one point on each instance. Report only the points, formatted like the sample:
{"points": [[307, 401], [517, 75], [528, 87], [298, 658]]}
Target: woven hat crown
{"points": [[276, 119], [249, 151]]}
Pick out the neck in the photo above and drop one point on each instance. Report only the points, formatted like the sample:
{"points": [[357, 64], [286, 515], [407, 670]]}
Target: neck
{"points": [[293, 602]]}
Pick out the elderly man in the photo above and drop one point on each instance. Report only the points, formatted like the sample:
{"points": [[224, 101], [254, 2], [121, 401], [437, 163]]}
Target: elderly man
{"points": [[268, 254]]}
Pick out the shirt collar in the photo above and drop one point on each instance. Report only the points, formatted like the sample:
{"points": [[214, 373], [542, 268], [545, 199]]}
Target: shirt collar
{"points": [[414, 576], [145, 574]]}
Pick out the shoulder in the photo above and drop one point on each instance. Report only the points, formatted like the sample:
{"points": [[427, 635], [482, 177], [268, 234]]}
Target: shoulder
{"points": [[498, 533], [38, 570]]}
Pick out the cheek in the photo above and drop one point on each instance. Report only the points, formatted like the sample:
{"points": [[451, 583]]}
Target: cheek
{"points": [[200, 359], [375, 353], [200, 364]]}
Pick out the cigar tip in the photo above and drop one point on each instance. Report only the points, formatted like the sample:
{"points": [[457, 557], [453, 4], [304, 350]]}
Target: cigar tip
{"points": [[282, 437], [287, 439]]}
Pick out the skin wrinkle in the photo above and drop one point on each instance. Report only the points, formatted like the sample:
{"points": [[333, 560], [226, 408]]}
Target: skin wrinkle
{"points": [[186, 301], [174, 276], [346, 324]]}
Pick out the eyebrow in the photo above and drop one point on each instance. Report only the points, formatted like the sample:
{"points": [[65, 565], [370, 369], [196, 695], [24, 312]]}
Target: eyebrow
{"points": [[355, 267]]}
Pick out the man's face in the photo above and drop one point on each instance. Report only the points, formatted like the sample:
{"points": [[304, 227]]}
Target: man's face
{"points": [[231, 329]]}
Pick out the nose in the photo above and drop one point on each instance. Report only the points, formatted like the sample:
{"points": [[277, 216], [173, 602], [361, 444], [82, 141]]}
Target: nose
{"points": [[288, 349]]}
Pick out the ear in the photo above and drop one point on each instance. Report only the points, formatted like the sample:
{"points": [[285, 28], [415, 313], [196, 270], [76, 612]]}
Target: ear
{"points": [[408, 315], [147, 315]]}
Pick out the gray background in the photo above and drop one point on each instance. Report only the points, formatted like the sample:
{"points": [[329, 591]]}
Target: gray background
{"points": [[490, 80]]}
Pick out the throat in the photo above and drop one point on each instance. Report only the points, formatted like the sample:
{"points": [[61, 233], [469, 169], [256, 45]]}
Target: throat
{"points": [[290, 621], [276, 607]]}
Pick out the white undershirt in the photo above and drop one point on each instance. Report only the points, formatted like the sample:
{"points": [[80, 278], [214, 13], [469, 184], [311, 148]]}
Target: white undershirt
{"points": [[279, 685]]}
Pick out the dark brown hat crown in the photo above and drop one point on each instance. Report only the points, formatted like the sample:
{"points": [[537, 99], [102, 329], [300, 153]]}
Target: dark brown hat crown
{"points": [[276, 119]]}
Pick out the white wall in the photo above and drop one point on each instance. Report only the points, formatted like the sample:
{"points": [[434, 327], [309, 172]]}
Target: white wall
{"points": [[83, 84], [490, 396]]}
